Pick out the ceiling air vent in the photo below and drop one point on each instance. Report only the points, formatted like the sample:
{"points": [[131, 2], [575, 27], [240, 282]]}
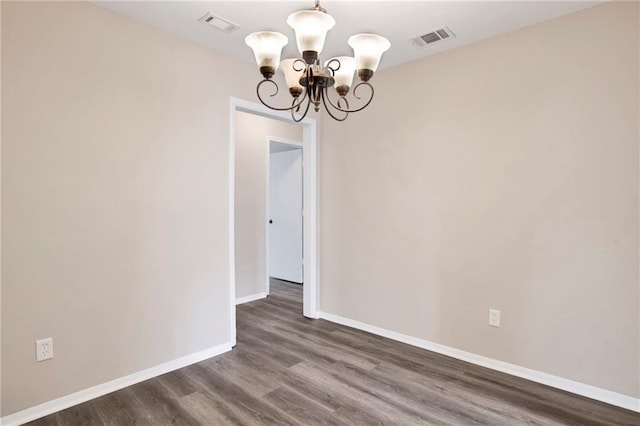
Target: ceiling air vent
{"points": [[435, 36], [218, 23]]}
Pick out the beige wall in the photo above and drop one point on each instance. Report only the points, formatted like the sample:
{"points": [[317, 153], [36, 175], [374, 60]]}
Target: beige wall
{"points": [[503, 175], [251, 133], [114, 194], [509, 180]]}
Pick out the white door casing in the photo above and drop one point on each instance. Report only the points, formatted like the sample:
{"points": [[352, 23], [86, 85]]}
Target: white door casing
{"points": [[310, 202]]}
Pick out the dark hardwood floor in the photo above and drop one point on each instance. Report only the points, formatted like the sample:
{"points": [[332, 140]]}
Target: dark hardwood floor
{"points": [[287, 369]]}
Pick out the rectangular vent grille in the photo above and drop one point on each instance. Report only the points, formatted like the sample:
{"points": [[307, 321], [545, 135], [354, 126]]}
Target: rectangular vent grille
{"points": [[218, 23], [432, 37]]}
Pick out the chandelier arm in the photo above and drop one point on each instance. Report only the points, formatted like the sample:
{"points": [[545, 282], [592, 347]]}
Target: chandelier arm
{"points": [[304, 65], [339, 108], [345, 101], [333, 70], [355, 95], [306, 110], [292, 107], [326, 107]]}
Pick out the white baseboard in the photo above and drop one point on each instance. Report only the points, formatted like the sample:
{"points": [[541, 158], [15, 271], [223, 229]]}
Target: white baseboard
{"points": [[76, 398], [251, 298], [589, 391]]}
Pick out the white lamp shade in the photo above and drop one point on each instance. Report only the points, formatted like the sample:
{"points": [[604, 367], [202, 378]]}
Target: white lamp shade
{"points": [[267, 47], [368, 49], [344, 75], [292, 76], [311, 27]]}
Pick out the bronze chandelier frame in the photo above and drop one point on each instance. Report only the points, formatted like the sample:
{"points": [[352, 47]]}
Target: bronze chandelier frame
{"points": [[316, 81]]}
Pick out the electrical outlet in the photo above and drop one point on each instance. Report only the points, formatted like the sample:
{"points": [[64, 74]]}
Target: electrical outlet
{"points": [[494, 318], [44, 349]]}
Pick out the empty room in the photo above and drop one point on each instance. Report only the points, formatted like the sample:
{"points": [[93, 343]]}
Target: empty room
{"points": [[320, 212]]}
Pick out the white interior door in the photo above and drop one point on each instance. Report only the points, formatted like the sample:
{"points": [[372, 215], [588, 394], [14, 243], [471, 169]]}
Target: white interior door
{"points": [[285, 215]]}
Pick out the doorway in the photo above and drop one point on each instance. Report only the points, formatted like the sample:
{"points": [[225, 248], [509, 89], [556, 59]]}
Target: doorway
{"points": [[285, 213], [309, 203]]}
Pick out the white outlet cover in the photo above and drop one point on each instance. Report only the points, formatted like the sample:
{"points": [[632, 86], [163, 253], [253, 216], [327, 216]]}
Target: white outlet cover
{"points": [[494, 318], [44, 349]]}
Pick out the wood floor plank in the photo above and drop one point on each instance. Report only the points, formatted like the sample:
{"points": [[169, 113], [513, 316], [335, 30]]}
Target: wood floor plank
{"points": [[424, 402], [290, 370], [218, 407], [303, 409], [449, 395], [152, 403], [385, 410], [51, 420], [317, 343], [115, 409], [205, 410], [176, 384], [250, 409], [249, 342]]}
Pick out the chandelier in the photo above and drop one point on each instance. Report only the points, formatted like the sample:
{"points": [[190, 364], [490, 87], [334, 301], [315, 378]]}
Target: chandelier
{"points": [[309, 81]]}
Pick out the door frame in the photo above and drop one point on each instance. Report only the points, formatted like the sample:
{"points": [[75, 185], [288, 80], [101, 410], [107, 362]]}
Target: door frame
{"points": [[309, 202], [300, 145]]}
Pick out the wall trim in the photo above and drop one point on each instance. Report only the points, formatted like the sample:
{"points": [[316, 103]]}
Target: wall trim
{"points": [[593, 392], [85, 395], [251, 298]]}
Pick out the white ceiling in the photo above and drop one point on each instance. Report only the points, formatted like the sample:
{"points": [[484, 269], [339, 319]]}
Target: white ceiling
{"points": [[399, 21]]}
